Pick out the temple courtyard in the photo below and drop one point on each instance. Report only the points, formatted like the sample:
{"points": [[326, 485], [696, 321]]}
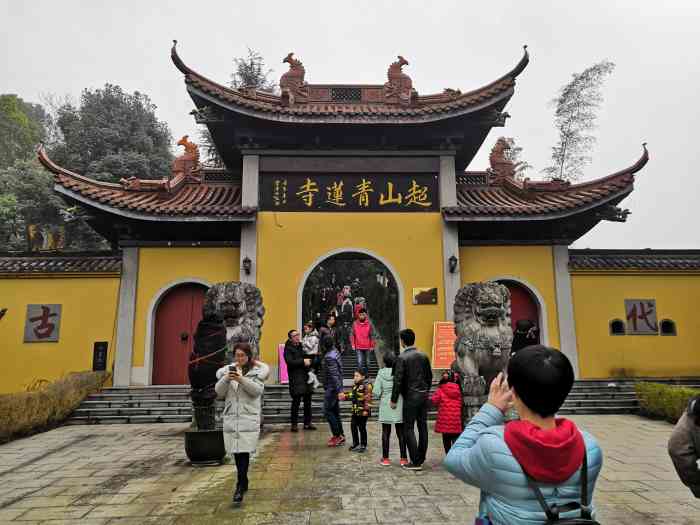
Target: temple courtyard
{"points": [[139, 474]]}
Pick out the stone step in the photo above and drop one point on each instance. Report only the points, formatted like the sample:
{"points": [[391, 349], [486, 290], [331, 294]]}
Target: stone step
{"points": [[138, 419], [171, 403], [131, 411]]}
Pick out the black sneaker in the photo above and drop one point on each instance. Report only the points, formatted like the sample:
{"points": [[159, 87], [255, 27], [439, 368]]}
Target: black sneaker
{"points": [[411, 466], [353, 448], [310, 427], [294, 428], [237, 497], [361, 449]]}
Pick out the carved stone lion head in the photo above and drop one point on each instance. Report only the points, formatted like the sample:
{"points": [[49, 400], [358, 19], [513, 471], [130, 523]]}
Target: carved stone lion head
{"points": [[490, 303]]}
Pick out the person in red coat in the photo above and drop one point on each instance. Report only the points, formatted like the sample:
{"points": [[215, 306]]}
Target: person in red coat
{"points": [[448, 400], [362, 339]]}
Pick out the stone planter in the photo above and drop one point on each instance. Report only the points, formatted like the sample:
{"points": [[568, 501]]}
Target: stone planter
{"points": [[205, 447]]}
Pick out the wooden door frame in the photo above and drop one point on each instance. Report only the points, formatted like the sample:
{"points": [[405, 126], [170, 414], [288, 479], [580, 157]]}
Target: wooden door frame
{"points": [[149, 344], [539, 302]]}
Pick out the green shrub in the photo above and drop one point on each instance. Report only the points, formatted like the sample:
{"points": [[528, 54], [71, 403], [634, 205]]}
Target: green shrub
{"points": [[664, 401], [45, 404]]}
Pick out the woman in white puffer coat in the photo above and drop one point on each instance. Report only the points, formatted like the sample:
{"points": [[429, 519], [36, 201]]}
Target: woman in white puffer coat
{"points": [[241, 384]]}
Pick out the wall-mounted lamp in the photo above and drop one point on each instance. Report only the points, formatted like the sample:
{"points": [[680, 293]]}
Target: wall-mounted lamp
{"points": [[452, 262], [247, 265]]}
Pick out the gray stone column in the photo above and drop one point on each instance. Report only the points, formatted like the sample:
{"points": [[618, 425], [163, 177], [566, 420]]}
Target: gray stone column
{"points": [[565, 306], [450, 235], [249, 232], [126, 314]]}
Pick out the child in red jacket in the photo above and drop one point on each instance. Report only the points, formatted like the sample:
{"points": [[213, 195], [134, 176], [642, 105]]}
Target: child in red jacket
{"points": [[448, 400]]}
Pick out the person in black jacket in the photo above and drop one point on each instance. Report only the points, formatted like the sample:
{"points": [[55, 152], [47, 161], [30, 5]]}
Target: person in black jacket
{"points": [[333, 386], [413, 378], [298, 366]]}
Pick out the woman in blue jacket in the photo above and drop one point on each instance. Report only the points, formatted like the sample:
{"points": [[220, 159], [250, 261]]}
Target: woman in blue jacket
{"points": [[498, 457]]}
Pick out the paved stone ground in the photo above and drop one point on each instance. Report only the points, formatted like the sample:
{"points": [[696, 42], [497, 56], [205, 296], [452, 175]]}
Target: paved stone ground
{"points": [[135, 474]]}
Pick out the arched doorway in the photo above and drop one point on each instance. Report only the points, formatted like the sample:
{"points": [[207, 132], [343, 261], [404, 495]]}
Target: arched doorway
{"points": [[176, 319], [364, 276], [524, 305]]}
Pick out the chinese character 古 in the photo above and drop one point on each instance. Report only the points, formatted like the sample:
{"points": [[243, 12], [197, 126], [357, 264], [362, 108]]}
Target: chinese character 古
{"points": [[417, 195], [390, 198], [44, 329], [364, 188], [334, 194], [307, 192]]}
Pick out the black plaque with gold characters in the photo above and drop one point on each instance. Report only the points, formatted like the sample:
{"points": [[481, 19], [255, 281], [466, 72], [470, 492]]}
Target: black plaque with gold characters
{"points": [[414, 192]]}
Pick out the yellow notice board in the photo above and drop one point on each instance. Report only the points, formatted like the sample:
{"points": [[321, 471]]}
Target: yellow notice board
{"points": [[443, 344]]}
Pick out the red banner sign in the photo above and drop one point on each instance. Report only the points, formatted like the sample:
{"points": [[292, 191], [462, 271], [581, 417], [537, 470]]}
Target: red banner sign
{"points": [[443, 344]]}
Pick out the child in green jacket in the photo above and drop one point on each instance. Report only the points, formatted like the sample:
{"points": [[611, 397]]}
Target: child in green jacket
{"points": [[383, 385]]}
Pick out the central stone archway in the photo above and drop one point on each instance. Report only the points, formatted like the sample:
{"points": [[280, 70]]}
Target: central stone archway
{"points": [[368, 276]]}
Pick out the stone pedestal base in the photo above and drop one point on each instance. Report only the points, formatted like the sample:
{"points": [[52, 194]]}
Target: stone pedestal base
{"points": [[473, 396], [205, 447]]}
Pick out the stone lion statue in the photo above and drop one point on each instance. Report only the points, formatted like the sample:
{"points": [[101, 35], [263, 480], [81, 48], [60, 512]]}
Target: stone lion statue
{"points": [[240, 307], [484, 338]]}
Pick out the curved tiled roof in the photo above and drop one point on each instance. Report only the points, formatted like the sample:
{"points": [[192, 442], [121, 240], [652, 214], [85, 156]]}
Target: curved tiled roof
{"points": [[185, 202], [65, 263], [646, 260], [514, 200], [426, 108]]}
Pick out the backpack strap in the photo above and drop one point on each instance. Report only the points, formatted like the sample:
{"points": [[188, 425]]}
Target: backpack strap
{"points": [[553, 512], [586, 510]]}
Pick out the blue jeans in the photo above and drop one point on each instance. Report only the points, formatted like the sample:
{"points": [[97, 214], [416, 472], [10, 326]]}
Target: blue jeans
{"points": [[331, 409], [363, 359]]}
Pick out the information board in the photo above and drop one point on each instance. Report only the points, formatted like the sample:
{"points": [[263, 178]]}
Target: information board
{"points": [[443, 344]]}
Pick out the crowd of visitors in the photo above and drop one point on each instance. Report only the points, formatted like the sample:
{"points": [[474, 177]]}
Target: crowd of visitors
{"points": [[535, 469]]}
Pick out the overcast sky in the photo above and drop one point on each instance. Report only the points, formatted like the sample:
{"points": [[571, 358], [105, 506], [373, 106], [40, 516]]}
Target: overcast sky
{"points": [[61, 47]]}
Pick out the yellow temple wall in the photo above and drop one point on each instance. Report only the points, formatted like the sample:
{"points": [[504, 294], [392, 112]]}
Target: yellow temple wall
{"points": [[533, 266], [160, 269], [88, 314], [291, 244], [599, 298]]}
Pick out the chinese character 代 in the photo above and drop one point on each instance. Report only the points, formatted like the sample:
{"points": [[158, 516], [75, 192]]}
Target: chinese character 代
{"points": [[44, 329], [307, 192], [390, 198], [417, 195], [642, 311], [364, 188], [334, 194]]}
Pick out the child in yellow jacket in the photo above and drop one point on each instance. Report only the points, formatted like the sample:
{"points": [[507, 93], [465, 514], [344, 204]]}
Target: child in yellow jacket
{"points": [[361, 397]]}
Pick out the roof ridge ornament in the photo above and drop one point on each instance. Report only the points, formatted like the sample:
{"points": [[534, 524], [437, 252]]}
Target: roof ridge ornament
{"points": [[502, 166], [185, 168], [292, 83], [399, 87]]}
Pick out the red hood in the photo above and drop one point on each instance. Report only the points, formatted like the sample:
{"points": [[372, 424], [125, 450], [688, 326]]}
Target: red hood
{"points": [[549, 456], [451, 390]]}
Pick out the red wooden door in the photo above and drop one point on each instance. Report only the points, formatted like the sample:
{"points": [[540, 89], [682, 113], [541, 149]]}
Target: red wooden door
{"points": [[176, 321], [522, 304]]}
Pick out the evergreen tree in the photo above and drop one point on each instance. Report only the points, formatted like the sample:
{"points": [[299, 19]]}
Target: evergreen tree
{"points": [[113, 134], [110, 135], [249, 72], [21, 129]]}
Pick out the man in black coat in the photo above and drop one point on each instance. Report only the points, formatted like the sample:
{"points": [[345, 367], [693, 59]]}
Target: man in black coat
{"points": [[413, 377], [298, 366]]}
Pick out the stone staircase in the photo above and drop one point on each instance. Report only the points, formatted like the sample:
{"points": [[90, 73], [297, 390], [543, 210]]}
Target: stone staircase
{"points": [[349, 360], [171, 404]]}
